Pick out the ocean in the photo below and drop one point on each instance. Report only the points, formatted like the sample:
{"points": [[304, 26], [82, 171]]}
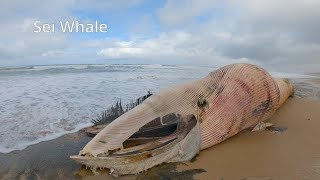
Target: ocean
{"points": [[39, 103]]}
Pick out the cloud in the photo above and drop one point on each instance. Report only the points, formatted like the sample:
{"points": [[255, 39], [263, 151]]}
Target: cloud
{"points": [[296, 18], [270, 33], [19, 45], [180, 12], [267, 32], [276, 32], [178, 46], [105, 5], [166, 44]]}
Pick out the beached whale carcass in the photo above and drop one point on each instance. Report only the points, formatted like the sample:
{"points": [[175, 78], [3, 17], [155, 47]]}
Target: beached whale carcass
{"points": [[207, 111]]}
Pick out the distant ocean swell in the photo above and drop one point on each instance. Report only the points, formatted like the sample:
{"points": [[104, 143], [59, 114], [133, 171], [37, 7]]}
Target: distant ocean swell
{"points": [[79, 68]]}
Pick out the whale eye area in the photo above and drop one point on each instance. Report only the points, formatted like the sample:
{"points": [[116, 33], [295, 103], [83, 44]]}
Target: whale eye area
{"points": [[202, 103]]}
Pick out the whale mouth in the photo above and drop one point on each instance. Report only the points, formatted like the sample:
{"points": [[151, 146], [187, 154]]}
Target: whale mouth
{"points": [[154, 136], [161, 140], [162, 129]]}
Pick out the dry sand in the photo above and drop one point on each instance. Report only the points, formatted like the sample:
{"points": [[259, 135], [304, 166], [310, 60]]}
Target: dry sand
{"points": [[292, 154], [289, 155]]}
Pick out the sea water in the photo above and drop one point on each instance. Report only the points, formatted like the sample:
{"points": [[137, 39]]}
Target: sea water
{"points": [[39, 103]]}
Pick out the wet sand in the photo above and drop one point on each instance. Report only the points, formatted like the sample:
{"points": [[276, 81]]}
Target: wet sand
{"points": [[291, 154]]}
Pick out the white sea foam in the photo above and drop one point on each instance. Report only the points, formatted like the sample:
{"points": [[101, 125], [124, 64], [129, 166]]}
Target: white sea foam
{"points": [[39, 103], [44, 102]]}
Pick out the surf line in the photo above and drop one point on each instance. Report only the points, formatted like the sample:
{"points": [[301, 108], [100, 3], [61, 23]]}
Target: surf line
{"points": [[70, 26]]}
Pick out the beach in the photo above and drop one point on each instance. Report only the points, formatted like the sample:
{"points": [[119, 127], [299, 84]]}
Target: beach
{"points": [[289, 150], [160, 90], [293, 153]]}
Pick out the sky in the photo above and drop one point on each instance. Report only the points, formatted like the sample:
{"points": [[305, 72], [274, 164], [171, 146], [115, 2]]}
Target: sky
{"points": [[283, 35]]}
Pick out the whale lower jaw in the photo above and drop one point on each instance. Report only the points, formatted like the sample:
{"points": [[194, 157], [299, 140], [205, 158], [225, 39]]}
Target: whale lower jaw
{"points": [[182, 145]]}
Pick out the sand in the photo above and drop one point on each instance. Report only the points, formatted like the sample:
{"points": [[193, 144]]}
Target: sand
{"points": [[291, 154]]}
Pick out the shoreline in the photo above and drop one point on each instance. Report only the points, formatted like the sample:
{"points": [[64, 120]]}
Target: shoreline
{"points": [[287, 155], [44, 139], [50, 160]]}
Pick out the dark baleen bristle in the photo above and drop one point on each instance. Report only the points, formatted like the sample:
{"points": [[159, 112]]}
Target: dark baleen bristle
{"points": [[116, 110]]}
